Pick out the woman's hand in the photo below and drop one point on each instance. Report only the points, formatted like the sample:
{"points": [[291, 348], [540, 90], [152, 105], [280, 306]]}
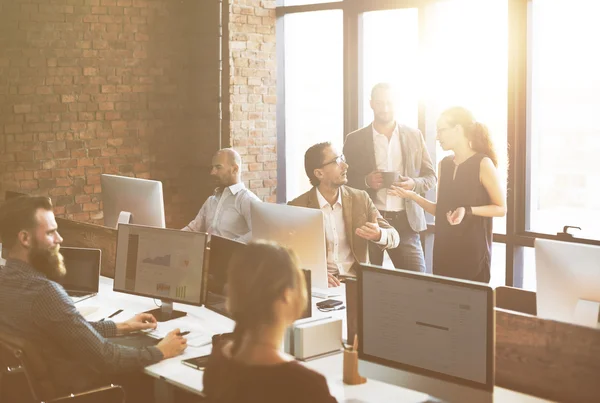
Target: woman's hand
{"points": [[395, 190], [455, 217]]}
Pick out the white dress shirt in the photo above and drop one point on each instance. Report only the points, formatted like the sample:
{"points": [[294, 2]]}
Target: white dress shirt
{"points": [[388, 157], [226, 214], [339, 250]]}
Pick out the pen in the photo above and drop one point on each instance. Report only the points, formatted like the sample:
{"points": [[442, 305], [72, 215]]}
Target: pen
{"points": [[183, 333], [111, 315]]}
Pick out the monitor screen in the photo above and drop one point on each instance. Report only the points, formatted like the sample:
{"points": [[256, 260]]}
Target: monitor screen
{"points": [[431, 325], [83, 269], [220, 253], [160, 263], [298, 228], [142, 198]]}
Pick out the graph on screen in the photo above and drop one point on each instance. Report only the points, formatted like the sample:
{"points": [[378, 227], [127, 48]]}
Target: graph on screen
{"points": [[162, 263]]}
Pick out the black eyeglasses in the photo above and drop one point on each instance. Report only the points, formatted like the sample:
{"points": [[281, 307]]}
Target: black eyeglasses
{"points": [[338, 160]]}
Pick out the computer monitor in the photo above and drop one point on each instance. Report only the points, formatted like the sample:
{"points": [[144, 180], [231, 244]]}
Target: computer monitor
{"points": [[568, 281], [160, 263], [132, 200], [83, 270], [300, 229], [434, 326], [220, 252]]}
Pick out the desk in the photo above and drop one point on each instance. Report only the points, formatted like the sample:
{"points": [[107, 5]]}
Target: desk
{"points": [[175, 373]]}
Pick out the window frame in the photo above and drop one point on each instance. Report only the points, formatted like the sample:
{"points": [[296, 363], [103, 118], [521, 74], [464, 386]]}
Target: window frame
{"points": [[518, 116]]}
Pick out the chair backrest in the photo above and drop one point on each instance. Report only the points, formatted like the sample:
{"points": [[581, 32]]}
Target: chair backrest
{"points": [[27, 356], [516, 299]]}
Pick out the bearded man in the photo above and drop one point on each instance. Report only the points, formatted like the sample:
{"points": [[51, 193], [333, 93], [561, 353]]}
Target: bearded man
{"points": [[35, 308]]}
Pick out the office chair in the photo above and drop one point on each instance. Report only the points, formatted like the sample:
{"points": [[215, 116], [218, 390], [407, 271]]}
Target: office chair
{"points": [[20, 359], [516, 299]]}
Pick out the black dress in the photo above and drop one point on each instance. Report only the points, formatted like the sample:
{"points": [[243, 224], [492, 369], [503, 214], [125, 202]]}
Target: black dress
{"points": [[464, 250]]}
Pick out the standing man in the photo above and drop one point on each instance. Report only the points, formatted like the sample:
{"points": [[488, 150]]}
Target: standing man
{"points": [[227, 212], [386, 145], [351, 220]]}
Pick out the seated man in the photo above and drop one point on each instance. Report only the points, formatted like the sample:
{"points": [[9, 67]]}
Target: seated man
{"points": [[351, 219], [36, 308], [227, 212]]}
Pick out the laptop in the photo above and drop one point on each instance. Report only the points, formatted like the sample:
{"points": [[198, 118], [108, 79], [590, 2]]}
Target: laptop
{"points": [[83, 272]]}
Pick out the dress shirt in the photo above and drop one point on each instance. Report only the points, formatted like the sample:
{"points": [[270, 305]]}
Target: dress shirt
{"points": [[76, 351], [339, 251], [388, 157], [226, 213]]}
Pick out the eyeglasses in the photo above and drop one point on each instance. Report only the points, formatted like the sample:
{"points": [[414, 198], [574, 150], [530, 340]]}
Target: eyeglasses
{"points": [[338, 160]]}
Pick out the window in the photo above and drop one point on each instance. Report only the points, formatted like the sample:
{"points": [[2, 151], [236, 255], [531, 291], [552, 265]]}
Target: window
{"points": [[498, 269], [314, 89], [397, 64], [565, 129], [466, 59], [304, 2]]}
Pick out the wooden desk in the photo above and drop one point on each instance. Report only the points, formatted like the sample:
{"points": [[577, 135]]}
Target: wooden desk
{"points": [[177, 374], [553, 360]]}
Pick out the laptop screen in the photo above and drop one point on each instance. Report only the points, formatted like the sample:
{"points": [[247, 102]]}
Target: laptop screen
{"points": [[83, 269]]}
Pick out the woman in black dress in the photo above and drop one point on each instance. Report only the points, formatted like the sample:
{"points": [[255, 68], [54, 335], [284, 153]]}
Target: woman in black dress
{"points": [[469, 194]]}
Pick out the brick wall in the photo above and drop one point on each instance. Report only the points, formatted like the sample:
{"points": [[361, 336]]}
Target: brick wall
{"points": [[249, 109], [127, 87]]}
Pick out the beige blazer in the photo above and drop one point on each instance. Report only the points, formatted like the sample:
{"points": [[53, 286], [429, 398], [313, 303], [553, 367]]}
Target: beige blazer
{"points": [[357, 209]]}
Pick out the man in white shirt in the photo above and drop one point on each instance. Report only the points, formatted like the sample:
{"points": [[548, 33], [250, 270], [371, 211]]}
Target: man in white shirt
{"points": [[351, 219], [387, 146], [227, 212]]}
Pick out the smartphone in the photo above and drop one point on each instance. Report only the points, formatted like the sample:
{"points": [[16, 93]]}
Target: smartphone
{"points": [[197, 362], [328, 303]]}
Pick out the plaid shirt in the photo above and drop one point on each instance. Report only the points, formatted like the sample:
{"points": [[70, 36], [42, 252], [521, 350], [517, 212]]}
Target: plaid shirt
{"points": [[76, 351]]}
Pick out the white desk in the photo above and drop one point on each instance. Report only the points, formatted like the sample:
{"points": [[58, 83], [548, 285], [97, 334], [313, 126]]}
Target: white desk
{"points": [[175, 373]]}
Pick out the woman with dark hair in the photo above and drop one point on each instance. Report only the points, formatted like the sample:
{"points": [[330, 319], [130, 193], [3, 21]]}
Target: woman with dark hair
{"points": [[266, 294], [469, 195]]}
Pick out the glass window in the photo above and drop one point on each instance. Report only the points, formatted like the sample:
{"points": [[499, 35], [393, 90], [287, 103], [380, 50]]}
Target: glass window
{"points": [[303, 2], [466, 64], [498, 269], [529, 281], [397, 64], [313, 89], [565, 129]]}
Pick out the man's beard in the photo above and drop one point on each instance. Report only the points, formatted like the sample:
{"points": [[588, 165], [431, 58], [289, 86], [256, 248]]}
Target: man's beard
{"points": [[48, 261]]}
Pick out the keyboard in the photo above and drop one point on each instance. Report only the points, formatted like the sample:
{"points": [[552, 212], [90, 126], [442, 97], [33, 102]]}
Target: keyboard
{"points": [[80, 296], [197, 337], [326, 292]]}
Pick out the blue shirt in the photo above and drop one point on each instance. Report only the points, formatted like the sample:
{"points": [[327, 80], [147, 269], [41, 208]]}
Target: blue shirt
{"points": [[76, 351]]}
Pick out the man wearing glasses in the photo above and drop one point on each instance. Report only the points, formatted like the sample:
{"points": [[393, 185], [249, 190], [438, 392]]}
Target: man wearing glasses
{"points": [[386, 153], [351, 219]]}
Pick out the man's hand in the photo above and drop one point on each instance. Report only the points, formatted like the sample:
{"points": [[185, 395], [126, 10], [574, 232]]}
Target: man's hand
{"points": [[370, 230], [172, 345], [141, 321], [406, 183], [333, 280], [374, 180]]}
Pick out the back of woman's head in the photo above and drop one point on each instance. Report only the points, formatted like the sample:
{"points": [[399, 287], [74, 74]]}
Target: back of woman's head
{"points": [[258, 276], [477, 133]]}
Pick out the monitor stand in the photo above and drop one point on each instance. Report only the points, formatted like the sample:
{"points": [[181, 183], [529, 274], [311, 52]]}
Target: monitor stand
{"points": [[166, 312], [124, 218]]}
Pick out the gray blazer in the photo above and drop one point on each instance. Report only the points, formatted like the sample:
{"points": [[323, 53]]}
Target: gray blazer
{"points": [[360, 155]]}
